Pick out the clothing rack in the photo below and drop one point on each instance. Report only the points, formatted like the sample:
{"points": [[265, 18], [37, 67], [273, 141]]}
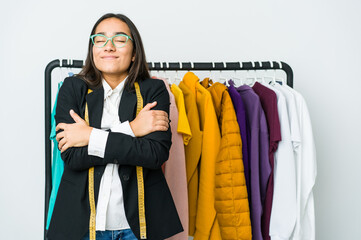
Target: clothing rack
{"points": [[153, 66]]}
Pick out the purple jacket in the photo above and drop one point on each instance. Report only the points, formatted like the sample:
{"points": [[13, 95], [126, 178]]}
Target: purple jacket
{"points": [[258, 147]]}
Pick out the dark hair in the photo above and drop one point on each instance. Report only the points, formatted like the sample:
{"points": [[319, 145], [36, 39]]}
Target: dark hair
{"points": [[138, 70]]}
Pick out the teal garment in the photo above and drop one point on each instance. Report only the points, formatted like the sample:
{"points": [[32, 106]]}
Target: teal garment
{"points": [[57, 164]]}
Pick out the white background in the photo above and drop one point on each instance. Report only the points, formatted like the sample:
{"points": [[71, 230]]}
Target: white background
{"points": [[320, 40]]}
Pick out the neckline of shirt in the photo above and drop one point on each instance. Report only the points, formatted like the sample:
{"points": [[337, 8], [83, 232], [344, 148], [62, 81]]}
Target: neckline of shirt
{"points": [[109, 91]]}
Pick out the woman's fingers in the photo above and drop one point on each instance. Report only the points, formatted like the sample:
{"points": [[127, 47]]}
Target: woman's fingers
{"points": [[61, 126], [149, 106], [161, 119], [161, 128], [59, 136], [65, 147], [159, 113], [75, 116], [61, 144], [161, 124]]}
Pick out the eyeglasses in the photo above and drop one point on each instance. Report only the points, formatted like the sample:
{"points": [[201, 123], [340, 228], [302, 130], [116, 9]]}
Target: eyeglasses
{"points": [[119, 40]]}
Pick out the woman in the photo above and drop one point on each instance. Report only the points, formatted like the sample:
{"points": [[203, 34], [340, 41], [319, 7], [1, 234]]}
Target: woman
{"points": [[115, 142]]}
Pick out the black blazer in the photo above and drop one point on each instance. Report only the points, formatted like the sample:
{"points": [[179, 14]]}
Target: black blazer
{"points": [[70, 219]]}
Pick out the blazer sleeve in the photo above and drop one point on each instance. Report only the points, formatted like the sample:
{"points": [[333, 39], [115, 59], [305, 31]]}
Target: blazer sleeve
{"points": [[150, 151], [71, 95]]}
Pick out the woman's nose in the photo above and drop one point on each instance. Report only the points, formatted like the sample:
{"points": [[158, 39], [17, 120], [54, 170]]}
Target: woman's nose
{"points": [[109, 46]]}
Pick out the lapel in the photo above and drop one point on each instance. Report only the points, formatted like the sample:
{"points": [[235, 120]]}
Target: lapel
{"points": [[95, 102], [127, 105]]}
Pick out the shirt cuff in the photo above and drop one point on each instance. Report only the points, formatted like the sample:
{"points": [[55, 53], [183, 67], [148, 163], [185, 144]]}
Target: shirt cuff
{"points": [[123, 127], [97, 142]]}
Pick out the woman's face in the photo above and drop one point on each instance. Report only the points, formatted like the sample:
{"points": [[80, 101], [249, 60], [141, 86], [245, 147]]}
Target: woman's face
{"points": [[110, 60]]}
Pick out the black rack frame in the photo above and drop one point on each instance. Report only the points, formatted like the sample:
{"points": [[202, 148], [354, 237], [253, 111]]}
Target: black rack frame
{"points": [[156, 66]]}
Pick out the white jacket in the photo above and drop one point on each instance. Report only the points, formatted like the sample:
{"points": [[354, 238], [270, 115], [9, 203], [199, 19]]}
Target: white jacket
{"points": [[306, 172]]}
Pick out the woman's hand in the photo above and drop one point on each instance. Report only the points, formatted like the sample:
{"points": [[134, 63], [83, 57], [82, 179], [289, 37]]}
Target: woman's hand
{"points": [[75, 134], [148, 121]]}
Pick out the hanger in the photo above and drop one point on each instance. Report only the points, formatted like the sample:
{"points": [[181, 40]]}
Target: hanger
{"points": [[249, 79], [210, 72], [237, 81], [192, 67], [272, 78], [69, 70], [280, 80], [151, 71], [158, 73], [265, 73], [166, 77], [178, 79], [258, 78], [162, 73], [221, 78]]}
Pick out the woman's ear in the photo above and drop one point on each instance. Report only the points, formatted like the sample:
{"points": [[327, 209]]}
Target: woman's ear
{"points": [[133, 58]]}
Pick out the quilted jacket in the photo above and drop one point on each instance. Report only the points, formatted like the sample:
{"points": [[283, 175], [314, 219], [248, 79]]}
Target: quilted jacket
{"points": [[231, 198]]}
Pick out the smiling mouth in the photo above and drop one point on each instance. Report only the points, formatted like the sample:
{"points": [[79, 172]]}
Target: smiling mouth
{"points": [[109, 57]]}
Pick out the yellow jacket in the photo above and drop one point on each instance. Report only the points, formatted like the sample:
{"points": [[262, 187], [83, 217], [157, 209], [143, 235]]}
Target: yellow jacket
{"points": [[206, 223], [231, 200], [193, 153], [183, 124]]}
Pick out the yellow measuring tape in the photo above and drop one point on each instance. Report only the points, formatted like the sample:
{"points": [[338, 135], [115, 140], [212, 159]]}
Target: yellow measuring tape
{"points": [[91, 188], [140, 181], [141, 206]]}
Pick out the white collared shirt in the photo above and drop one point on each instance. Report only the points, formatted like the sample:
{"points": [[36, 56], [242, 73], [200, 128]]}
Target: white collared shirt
{"points": [[110, 213], [306, 172]]}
